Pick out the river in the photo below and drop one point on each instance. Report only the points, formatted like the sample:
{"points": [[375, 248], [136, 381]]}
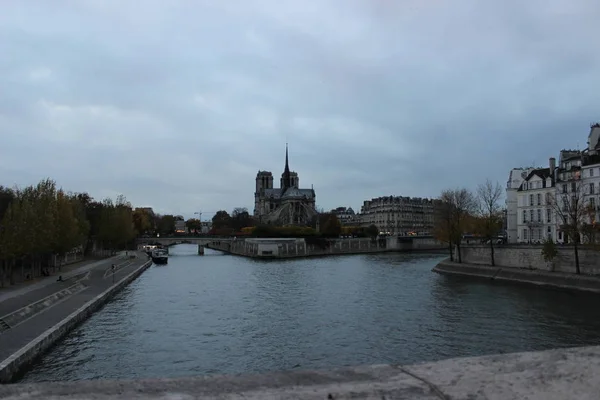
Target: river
{"points": [[220, 314]]}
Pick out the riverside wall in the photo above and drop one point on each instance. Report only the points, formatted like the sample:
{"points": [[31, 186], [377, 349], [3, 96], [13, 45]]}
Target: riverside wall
{"points": [[298, 247], [530, 257], [525, 264], [15, 364]]}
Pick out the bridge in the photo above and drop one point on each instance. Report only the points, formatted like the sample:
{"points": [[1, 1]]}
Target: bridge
{"points": [[174, 240]]}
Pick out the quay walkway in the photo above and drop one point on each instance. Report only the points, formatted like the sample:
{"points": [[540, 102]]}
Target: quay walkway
{"points": [[29, 311]]}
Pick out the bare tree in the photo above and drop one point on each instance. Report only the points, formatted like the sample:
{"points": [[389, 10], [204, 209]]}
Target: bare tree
{"points": [[489, 212], [442, 228], [457, 207], [572, 212]]}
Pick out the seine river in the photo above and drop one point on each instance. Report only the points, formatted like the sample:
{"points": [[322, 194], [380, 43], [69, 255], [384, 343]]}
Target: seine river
{"points": [[220, 314]]}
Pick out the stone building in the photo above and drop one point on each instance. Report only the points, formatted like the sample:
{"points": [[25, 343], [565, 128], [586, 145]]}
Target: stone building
{"points": [[286, 205], [536, 218], [345, 215], [515, 179], [398, 215]]}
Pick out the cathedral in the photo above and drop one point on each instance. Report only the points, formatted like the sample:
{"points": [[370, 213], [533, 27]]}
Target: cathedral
{"points": [[286, 205]]}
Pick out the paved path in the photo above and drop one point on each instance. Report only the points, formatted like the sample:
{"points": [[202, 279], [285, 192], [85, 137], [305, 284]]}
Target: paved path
{"points": [[97, 282], [11, 292]]}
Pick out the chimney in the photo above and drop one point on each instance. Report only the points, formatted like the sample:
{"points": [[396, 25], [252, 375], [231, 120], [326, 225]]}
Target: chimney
{"points": [[552, 165]]}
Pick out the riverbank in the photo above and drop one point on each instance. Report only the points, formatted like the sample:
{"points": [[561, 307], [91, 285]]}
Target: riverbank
{"points": [[556, 280], [547, 375], [42, 316]]}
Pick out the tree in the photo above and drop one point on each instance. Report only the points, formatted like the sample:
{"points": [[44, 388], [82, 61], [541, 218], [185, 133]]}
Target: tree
{"points": [[240, 218], [372, 231], [141, 221], [549, 250], [166, 225], [453, 216], [6, 197], [221, 220], [330, 225], [572, 213], [193, 225], [489, 213], [66, 225]]}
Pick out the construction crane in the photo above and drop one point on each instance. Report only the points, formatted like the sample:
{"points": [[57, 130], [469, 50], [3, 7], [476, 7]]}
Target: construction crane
{"points": [[199, 214]]}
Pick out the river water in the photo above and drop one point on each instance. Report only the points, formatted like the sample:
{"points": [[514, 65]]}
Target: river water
{"points": [[225, 314]]}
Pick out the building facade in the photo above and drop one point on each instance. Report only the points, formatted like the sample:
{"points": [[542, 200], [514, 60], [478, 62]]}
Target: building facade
{"points": [[346, 216], [515, 179], [286, 205], [398, 215], [536, 217], [549, 198]]}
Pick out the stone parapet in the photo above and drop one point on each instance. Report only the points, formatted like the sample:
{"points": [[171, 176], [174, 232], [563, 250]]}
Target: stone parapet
{"points": [[547, 375]]}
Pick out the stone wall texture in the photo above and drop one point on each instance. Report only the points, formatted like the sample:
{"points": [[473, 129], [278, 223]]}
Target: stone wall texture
{"points": [[530, 257]]}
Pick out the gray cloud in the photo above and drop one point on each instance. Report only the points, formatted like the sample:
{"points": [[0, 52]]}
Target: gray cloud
{"points": [[179, 105]]}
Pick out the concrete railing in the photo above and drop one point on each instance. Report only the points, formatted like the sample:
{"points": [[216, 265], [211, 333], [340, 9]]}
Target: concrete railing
{"points": [[547, 375]]}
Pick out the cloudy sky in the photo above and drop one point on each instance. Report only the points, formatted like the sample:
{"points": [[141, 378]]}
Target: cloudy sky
{"points": [[177, 104]]}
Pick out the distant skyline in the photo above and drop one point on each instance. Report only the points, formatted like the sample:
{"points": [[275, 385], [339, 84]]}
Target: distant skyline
{"points": [[178, 104]]}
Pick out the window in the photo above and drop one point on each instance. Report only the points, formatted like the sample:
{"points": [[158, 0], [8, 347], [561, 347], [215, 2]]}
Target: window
{"points": [[539, 199], [539, 215], [524, 216], [591, 187], [592, 172], [525, 234], [564, 188], [592, 202], [530, 199], [531, 215], [548, 215], [573, 187]]}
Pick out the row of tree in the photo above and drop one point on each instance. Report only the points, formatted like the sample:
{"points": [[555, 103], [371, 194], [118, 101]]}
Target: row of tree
{"points": [[42, 221], [461, 211]]}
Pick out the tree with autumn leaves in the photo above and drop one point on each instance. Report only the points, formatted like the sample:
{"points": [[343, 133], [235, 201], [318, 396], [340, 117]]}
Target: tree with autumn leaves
{"points": [[453, 216], [42, 221]]}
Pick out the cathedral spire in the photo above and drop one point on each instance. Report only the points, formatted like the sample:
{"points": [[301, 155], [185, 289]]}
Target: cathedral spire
{"points": [[286, 172]]}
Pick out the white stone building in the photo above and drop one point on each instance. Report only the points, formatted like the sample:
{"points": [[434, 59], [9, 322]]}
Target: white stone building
{"points": [[579, 181], [398, 215], [591, 172], [536, 218], [515, 179]]}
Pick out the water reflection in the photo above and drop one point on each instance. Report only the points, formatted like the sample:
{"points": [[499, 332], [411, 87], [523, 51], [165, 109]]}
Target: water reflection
{"points": [[223, 314]]}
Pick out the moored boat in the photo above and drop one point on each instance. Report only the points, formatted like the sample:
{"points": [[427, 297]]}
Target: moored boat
{"points": [[160, 256]]}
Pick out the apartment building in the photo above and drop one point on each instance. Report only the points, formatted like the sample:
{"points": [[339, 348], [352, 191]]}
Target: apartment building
{"points": [[399, 215], [536, 218], [345, 215], [515, 180]]}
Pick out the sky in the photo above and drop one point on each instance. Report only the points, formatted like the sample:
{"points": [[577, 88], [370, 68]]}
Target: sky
{"points": [[178, 104]]}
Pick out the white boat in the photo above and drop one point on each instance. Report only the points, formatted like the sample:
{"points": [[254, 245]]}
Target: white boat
{"points": [[160, 256]]}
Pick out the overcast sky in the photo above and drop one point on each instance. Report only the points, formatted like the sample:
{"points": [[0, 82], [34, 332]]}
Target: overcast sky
{"points": [[178, 104]]}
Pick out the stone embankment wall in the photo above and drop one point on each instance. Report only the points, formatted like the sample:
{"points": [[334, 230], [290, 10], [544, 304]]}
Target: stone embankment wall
{"points": [[287, 248], [530, 257], [290, 247]]}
